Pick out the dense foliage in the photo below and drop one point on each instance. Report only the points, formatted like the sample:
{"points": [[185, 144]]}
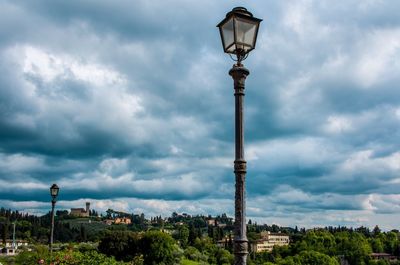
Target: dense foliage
{"points": [[68, 256], [187, 240], [157, 247], [123, 245], [329, 246], [37, 228]]}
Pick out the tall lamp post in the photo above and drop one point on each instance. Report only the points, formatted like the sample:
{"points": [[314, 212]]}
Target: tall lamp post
{"points": [[239, 34], [54, 193]]}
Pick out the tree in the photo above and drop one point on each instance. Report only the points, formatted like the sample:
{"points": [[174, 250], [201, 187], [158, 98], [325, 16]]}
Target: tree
{"points": [[62, 213], [123, 245], [391, 243], [376, 231], [376, 245], [182, 235], [192, 234], [223, 256], [66, 257], [314, 258], [354, 247], [109, 213], [321, 241], [192, 253], [364, 230], [158, 248], [4, 231], [83, 233]]}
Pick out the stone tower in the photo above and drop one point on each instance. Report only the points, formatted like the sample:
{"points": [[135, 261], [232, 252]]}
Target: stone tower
{"points": [[87, 207]]}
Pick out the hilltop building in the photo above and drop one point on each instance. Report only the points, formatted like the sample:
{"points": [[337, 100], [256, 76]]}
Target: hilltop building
{"points": [[118, 217], [123, 220], [268, 241], [118, 220], [80, 212]]}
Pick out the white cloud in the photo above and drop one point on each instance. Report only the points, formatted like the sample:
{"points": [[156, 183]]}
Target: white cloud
{"points": [[49, 67], [385, 203], [303, 152], [21, 186], [20, 163], [113, 166], [337, 124], [379, 57], [298, 16], [365, 163], [397, 112]]}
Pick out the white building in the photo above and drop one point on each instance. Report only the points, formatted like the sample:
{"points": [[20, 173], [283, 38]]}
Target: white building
{"points": [[269, 240], [9, 249], [18, 243]]}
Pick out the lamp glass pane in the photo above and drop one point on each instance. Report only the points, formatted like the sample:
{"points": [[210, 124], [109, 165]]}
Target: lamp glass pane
{"points": [[245, 33], [227, 33], [231, 49], [54, 191]]}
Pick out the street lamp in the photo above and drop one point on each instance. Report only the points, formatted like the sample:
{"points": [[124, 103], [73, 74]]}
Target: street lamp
{"points": [[54, 193], [239, 34]]}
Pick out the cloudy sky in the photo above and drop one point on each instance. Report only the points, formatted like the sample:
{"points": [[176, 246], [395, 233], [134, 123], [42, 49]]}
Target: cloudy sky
{"points": [[128, 104]]}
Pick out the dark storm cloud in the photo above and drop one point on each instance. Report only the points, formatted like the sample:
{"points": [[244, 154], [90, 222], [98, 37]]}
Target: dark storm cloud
{"points": [[131, 99]]}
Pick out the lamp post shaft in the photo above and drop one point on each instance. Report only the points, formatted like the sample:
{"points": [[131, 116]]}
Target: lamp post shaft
{"points": [[53, 202], [239, 74]]}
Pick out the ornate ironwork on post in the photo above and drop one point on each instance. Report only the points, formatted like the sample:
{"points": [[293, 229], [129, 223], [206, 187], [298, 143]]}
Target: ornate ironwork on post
{"points": [[53, 203], [239, 74]]}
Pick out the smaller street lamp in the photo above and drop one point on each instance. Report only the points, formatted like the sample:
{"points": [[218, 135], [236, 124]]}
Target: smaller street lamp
{"points": [[238, 32], [54, 189]]}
